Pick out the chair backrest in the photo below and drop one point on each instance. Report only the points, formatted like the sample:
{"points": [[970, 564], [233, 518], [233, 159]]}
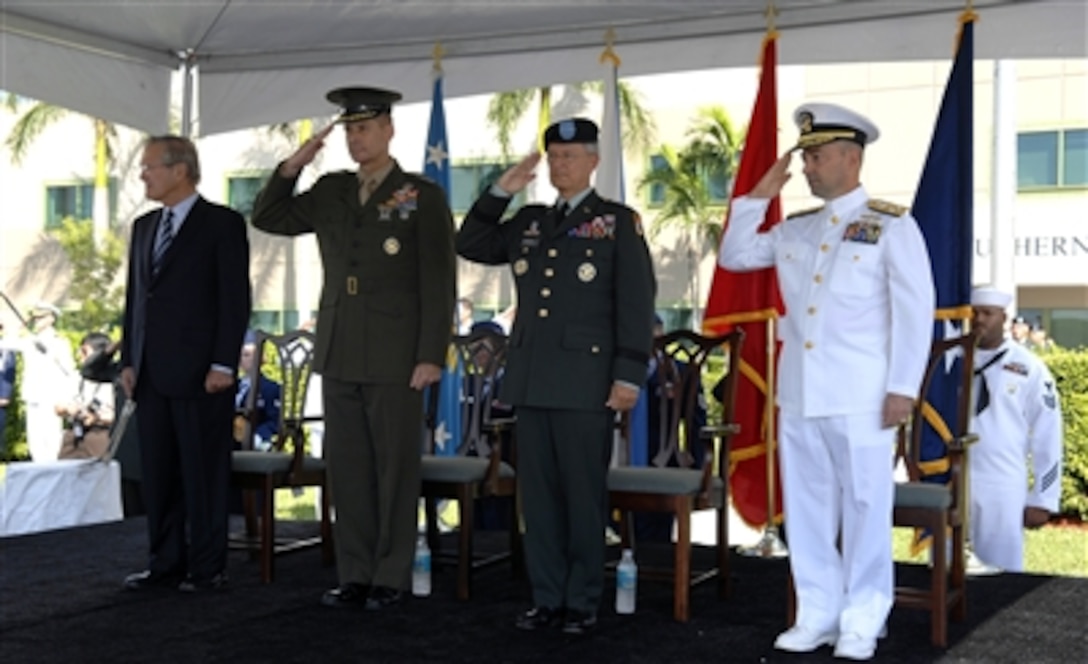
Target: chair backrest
{"points": [[950, 423], [678, 399], [287, 359]]}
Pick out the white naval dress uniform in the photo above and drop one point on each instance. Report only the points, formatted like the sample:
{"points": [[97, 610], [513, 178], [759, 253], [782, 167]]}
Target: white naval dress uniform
{"points": [[857, 284], [49, 376], [1022, 424]]}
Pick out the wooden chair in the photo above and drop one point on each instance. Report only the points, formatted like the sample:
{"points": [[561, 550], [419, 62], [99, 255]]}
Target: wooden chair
{"points": [[479, 468], [287, 464], [681, 490], [939, 508]]}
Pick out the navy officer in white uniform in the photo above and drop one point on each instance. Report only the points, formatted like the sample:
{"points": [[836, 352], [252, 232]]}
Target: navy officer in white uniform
{"points": [[856, 280], [1018, 420]]}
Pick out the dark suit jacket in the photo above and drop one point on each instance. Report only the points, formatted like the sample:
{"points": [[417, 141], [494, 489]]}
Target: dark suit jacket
{"points": [[390, 270], [194, 313], [585, 298]]}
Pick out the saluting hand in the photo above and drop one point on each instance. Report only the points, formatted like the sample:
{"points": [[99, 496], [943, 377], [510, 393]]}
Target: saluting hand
{"points": [[773, 180], [520, 174], [305, 154]]}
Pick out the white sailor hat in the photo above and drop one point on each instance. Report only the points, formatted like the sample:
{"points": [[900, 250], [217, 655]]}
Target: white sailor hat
{"points": [[988, 296], [822, 123]]}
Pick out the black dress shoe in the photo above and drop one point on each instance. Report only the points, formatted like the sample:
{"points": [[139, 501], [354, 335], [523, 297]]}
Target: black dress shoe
{"points": [[538, 617], [148, 579], [381, 598], [347, 595], [579, 622], [193, 584]]}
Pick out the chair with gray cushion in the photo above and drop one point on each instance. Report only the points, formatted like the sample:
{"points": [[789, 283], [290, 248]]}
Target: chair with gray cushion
{"points": [[288, 464], [683, 489], [483, 465], [939, 508]]}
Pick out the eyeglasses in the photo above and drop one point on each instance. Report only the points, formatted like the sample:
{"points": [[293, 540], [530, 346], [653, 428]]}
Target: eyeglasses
{"points": [[149, 167]]}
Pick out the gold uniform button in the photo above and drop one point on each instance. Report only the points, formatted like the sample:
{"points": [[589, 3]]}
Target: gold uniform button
{"points": [[818, 279], [809, 345], [549, 272], [589, 252], [834, 220], [824, 248], [812, 311], [543, 313], [552, 253], [595, 349], [545, 292]]}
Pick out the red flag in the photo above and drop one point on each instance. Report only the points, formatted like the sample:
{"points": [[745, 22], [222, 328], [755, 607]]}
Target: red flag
{"points": [[748, 300]]}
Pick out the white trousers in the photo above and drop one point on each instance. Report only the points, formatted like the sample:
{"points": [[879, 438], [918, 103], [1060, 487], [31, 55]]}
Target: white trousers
{"points": [[43, 431], [997, 520], [837, 476]]}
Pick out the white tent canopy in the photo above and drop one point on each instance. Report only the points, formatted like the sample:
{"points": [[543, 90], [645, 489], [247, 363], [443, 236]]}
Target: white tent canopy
{"points": [[265, 62]]}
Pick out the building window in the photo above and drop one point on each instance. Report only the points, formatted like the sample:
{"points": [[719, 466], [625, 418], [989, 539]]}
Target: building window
{"points": [[75, 200], [242, 191], [1052, 159], [468, 181], [657, 190]]}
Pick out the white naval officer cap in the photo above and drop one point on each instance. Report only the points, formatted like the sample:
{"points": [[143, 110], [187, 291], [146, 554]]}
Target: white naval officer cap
{"points": [[989, 296], [821, 123]]}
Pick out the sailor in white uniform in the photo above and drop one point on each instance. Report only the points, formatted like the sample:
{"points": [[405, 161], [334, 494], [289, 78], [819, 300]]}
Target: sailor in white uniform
{"points": [[856, 280], [1018, 420]]}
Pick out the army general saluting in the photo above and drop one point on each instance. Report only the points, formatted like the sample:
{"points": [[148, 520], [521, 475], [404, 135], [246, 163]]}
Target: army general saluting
{"points": [[858, 288], [578, 352], [386, 242]]}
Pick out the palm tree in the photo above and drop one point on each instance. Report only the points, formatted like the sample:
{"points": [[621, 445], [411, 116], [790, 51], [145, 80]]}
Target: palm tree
{"points": [[35, 120], [506, 110], [696, 181]]}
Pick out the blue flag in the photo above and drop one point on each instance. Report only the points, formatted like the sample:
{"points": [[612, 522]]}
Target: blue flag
{"points": [[436, 162], [943, 207], [448, 432]]}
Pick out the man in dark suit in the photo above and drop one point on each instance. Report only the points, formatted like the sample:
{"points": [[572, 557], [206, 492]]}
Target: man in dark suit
{"points": [[186, 309], [578, 353], [386, 242]]}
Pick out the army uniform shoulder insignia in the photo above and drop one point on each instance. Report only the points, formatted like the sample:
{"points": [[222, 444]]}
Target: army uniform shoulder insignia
{"points": [[885, 207], [637, 219], [804, 213]]}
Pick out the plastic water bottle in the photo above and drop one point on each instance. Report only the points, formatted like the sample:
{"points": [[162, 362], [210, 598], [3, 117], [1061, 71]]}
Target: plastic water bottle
{"points": [[626, 583], [421, 569]]}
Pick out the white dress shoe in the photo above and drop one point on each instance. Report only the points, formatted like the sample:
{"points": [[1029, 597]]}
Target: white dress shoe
{"points": [[802, 639], [855, 647]]}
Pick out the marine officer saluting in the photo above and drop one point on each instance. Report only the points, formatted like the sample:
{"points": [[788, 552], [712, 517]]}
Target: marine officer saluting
{"points": [[386, 242], [578, 353]]}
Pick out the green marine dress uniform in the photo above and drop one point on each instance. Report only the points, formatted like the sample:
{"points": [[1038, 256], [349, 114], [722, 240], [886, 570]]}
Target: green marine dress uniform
{"points": [[585, 288], [390, 273]]}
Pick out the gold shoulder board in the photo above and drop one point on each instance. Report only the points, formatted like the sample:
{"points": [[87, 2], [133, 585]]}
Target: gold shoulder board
{"points": [[804, 213], [887, 208]]}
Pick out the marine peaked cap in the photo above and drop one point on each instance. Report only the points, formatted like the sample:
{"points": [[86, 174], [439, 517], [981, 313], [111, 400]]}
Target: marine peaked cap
{"points": [[572, 130], [822, 123], [363, 103]]}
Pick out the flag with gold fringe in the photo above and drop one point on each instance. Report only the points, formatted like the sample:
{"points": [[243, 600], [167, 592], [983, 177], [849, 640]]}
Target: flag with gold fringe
{"points": [[748, 300], [943, 206]]}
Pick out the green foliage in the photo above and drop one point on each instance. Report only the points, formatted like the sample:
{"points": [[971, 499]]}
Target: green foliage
{"points": [[94, 284], [1070, 369]]}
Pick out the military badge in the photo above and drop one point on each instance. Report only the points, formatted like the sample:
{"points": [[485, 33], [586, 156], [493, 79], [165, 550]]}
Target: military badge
{"points": [[587, 272], [1048, 399], [1016, 368], [866, 232], [598, 228], [391, 246], [637, 218], [533, 230], [404, 202], [521, 266]]}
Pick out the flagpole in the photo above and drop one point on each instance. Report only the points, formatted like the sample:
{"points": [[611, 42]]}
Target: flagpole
{"points": [[770, 545]]}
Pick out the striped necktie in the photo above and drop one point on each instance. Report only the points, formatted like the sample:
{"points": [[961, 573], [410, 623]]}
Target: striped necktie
{"points": [[163, 239]]}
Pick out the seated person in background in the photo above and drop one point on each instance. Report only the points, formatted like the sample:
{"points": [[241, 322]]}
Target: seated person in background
{"points": [[664, 382], [492, 512], [266, 404], [89, 414]]}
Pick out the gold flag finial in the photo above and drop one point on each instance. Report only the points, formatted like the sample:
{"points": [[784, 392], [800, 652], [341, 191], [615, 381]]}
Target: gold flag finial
{"points": [[771, 13], [609, 53], [437, 54]]}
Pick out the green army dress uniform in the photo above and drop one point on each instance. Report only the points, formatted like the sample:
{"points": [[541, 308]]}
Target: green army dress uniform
{"points": [[585, 289], [385, 307]]}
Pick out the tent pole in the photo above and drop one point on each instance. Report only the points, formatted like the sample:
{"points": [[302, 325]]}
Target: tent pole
{"points": [[187, 96]]}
